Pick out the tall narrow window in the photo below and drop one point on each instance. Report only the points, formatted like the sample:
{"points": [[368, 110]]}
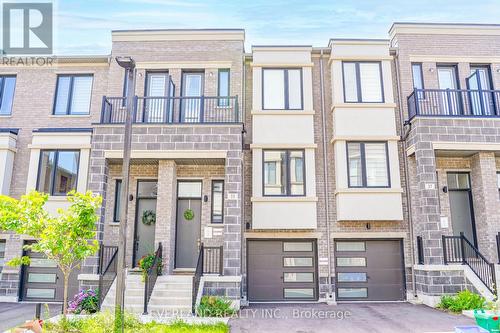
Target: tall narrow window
{"points": [[284, 172], [363, 82], [223, 87], [282, 89], [418, 79], [116, 210], [7, 87], [217, 201], [73, 95], [58, 171], [368, 164]]}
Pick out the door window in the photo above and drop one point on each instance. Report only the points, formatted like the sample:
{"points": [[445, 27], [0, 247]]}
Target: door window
{"points": [[192, 90], [156, 102], [451, 100], [482, 100], [189, 190]]}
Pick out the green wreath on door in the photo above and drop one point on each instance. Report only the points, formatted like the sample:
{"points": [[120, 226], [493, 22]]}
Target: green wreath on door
{"points": [[148, 217]]}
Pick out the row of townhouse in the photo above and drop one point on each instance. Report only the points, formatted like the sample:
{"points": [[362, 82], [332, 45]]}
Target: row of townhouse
{"points": [[367, 170]]}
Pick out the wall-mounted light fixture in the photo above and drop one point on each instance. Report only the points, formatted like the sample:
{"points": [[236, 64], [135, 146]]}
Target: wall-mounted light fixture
{"points": [[431, 69], [445, 189]]}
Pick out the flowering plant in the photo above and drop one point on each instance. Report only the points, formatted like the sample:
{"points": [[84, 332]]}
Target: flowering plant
{"points": [[146, 262], [86, 301]]}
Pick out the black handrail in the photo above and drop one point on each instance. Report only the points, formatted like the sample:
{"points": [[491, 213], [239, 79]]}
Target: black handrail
{"points": [[173, 110], [420, 250], [107, 270], [213, 260], [151, 277], [498, 246], [454, 103], [197, 277], [458, 249]]}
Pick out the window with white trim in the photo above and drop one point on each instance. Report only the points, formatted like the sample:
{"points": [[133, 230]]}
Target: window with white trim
{"points": [[368, 164], [58, 171], [362, 82], [73, 94], [282, 89]]}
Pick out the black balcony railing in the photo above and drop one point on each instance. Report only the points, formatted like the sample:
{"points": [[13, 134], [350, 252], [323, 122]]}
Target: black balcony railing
{"points": [[168, 110], [459, 250], [454, 103]]}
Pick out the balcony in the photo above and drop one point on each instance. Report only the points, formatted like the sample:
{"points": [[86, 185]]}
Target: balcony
{"points": [[454, 103], [173, 110]]}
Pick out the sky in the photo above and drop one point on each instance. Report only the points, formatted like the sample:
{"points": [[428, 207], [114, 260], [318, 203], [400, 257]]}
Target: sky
{"points": [[83, 27]]}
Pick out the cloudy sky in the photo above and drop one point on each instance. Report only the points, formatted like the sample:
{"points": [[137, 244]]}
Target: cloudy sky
{"points": [[83, 27]]}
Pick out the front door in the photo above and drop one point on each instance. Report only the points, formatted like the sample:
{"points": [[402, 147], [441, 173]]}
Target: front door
{"points": [[462, 212], [192, 90], [188, 232], [448, 80], [155, 106], [145, 219]]}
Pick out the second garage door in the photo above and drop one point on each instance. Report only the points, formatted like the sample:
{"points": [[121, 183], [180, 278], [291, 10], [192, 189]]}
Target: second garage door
{"points": [[282, 270], [369, 270]]}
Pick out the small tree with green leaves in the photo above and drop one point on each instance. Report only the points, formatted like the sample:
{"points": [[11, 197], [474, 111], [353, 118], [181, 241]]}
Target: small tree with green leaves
{"points": [[67, 238]]}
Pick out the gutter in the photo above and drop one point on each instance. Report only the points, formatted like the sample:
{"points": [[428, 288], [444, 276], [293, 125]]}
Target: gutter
{"points": [[331, 294], [404, 136]]}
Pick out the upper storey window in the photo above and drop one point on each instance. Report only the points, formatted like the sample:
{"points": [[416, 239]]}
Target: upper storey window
{"points": [[282, 89], [7, 86], [73, 94], [363, 82]]}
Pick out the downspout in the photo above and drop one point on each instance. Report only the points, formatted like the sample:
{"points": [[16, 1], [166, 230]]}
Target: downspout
{"points": [[404, 136], [242, 201], [325, 174]]}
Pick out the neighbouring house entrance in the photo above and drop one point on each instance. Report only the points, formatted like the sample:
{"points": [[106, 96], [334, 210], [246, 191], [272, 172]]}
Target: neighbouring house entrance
{"points": [[145, 219], [462, 211], [188, 229]]}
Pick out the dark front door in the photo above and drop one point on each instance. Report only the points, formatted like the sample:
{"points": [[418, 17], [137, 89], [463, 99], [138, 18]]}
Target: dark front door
{"points": [[192, 90], [188, 230], [462, 212], [369, 270], [282, 270], [43, 281], [145, 219]]}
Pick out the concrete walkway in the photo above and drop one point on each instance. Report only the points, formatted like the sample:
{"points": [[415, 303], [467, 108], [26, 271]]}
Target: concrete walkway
{"points": [[13, 314], [345, 318]]}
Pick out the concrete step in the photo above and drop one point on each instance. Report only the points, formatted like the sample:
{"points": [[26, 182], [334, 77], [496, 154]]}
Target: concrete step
{"points": [[172, 293], [171, 301]]}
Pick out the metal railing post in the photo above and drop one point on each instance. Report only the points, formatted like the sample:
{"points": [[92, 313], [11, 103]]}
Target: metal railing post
{"points": [[445, 254], [498, 246], [103, 108], [221, 260], [448, 98], [462, 247], [415, 98], [146, 282]]}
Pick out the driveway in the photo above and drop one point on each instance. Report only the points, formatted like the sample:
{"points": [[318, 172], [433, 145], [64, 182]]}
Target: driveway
{"points": [[345, 318], [13, 314]]}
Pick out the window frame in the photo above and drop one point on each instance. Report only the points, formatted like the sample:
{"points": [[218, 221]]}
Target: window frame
{"points": [[288, 184], [70, 94], [420, 65], [223, 102], [359, 91], [363, 164], [53, 173], [286, 86], [2, 88], [116, 213], [212, 201]]}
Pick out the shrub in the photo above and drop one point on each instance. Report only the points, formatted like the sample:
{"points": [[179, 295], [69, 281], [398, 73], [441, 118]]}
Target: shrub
{"points": [[86, 302], [463, 300], [213, 306], [146, 262]]}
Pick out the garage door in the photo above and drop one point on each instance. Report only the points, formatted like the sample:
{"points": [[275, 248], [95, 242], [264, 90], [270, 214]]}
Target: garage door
{"points": [[42, 280], [282, 270], [369, 270]]}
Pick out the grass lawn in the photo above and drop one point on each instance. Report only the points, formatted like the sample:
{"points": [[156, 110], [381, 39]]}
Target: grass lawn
{"points": [[103, 323]]}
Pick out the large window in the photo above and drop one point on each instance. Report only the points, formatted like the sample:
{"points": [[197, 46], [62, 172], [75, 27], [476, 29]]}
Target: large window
{"points": [[7, 86], [73, 94], [363, 82], [368, 164], [223, 87], [282, 89], [284, 173], [217, 201], [116, 210], [58, 171]]}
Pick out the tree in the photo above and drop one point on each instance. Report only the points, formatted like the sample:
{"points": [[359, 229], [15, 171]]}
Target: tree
{"points": [[67, 238]]}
